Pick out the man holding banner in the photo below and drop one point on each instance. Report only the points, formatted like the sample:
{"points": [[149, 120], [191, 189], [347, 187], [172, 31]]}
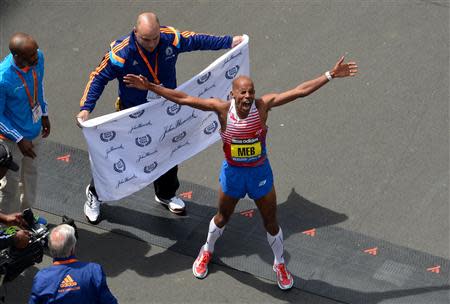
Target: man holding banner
{"points": [[151, 50], [246, 169]]}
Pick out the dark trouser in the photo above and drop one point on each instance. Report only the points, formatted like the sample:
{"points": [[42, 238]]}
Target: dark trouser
{"points": [[165, 186]]}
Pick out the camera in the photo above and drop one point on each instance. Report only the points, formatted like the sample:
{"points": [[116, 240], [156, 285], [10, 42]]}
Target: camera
{"points": [[14, 261]]}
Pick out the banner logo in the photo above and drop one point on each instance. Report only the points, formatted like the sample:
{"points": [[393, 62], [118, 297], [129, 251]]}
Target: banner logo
{"points": [[232, 57], [107, 136], [211, 128], [206, 89], [231, 73], [120, 166], [125, 180], [179, 137], [204, 78], [140, 125], [151, 167], [112, 148], [137, 114], [151, 96], [173, 109], [143, 140]]}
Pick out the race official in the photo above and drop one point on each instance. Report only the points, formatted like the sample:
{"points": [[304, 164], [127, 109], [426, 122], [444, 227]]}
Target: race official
{"points": [[68, 280], [150, 50]]}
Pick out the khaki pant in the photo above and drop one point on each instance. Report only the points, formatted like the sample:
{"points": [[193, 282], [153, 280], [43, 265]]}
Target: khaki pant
{"points": [[19, 192]]}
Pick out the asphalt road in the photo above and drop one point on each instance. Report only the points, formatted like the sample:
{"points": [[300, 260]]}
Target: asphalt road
{"points": [[374, 147]]}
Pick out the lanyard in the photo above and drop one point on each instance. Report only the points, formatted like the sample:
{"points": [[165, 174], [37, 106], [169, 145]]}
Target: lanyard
{"points": [[35, 87], [65, 262], [153, 72]]}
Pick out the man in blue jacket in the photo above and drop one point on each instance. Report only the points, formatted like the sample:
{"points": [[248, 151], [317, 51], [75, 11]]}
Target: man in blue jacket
{"points": [[151, 50], [23, 116], [69, 280]]}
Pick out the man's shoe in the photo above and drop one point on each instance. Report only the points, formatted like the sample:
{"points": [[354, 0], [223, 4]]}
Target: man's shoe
{"points": [[91, 207], [200, 266], [3, 182], [175, 204], [284, 278]]}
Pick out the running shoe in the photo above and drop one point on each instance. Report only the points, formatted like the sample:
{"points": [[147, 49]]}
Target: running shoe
{"points": [[175, 204], [284, 278], [200, 266], [91, 207], [3, 182]]}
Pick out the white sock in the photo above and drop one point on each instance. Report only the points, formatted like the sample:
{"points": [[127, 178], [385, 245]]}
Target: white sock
{"points": [[214, 233], [276, 243]]}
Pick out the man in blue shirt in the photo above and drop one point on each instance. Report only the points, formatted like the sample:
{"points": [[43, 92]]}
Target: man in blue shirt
{"points": [[23, 115], [69, 280], [151, 50]]}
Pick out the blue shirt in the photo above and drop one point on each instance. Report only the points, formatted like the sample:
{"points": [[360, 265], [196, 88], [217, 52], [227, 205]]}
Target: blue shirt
{"points": [[70, 281], [124, 58], [16, 118]]}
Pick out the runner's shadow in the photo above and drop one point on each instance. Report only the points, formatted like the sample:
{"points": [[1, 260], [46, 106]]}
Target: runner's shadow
{"points": [[295, 215], [328, 291], [244, 235]]}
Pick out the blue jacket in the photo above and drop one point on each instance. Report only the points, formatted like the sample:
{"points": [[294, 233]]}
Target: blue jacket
{"points": [[70, 281], [16, 120], [124, 58]]}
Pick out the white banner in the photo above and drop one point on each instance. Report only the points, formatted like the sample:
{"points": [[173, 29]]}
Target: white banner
{"points": [[130, 149]]}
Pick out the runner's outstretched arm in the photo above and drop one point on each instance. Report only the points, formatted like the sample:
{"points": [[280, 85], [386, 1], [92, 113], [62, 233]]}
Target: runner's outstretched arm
{"points": [[142, 83], [304, 89]]}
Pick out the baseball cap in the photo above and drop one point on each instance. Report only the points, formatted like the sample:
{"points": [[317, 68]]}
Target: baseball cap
{"points": [[6, 159]]}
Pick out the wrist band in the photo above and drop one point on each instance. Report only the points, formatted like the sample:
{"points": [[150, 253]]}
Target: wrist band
{"points": [[328, 75]]}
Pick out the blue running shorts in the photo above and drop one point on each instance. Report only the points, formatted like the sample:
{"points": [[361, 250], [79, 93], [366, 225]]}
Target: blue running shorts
{"points": [[239, 181]]}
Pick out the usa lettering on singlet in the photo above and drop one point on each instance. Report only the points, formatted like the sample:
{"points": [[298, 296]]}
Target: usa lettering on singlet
{"points": [[244, 139]]}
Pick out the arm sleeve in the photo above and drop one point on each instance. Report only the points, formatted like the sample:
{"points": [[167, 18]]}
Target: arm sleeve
{"points": [[191, 41], [34, 296], [6, 128], [98, 79], [41, 93], [104, 294]]}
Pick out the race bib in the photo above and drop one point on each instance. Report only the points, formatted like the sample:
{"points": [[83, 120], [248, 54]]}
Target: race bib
{"points": [[245, 149], [37, 113]]}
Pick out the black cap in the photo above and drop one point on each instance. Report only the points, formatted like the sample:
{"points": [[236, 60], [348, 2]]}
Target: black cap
{"points": [[6, 159]]}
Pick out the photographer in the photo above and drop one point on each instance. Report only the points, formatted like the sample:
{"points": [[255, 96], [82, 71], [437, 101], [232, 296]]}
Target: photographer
{"points": [[69, 280], [22, 237]]}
